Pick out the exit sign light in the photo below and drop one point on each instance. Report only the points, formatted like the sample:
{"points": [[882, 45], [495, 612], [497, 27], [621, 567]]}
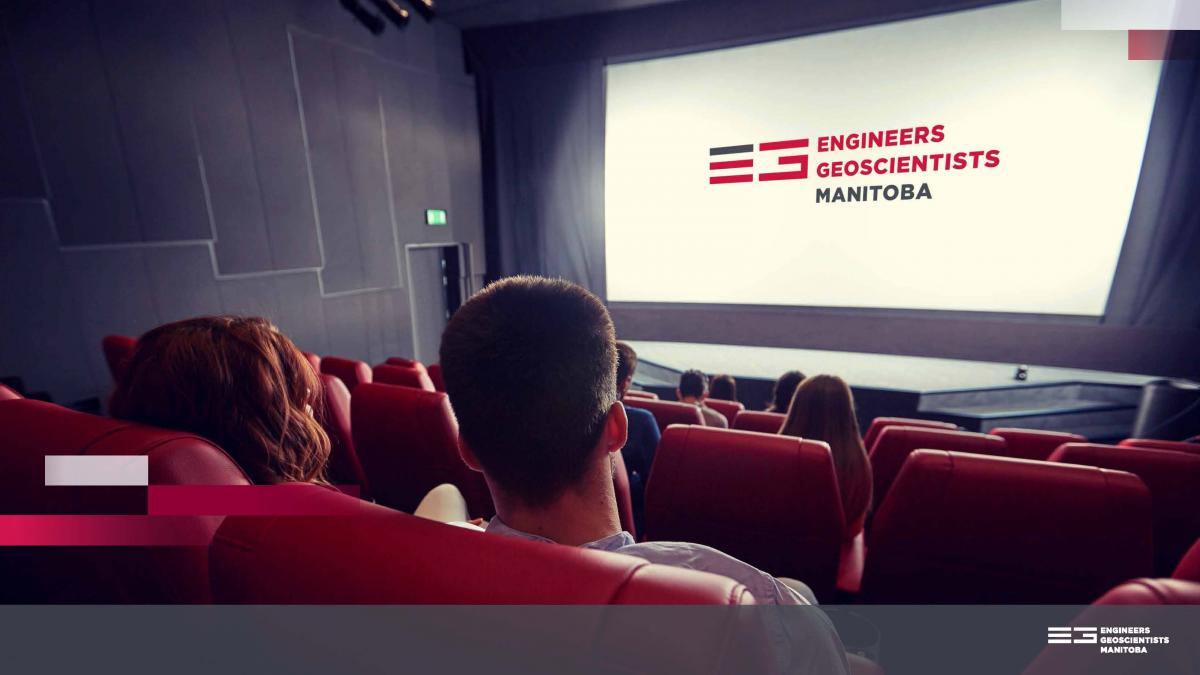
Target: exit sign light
{"points": [[435, 217]]}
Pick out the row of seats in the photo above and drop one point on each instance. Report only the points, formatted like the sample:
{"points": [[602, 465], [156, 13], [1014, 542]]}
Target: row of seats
{"points": [[293, 559]]}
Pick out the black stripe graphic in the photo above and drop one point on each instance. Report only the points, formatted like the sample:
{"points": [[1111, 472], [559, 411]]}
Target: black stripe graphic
{"points": [[731, 149]]}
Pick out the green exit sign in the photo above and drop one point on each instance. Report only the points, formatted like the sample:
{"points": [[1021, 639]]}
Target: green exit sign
{"points": [[435, 217]]}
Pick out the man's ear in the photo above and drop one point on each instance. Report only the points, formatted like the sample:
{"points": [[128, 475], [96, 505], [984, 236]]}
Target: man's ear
{"points": [[616, 428], [468, 457]]}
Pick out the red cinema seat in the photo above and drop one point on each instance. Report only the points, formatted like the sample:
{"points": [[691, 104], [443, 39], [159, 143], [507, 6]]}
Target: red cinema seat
{"points": [[1177, 446], [435, 376], [117, 349], [344, 467], [756, 420], [352, 373], [405, 363], [960, 528], [880, 423], [1174, 482], [32, 430], [1133, 603], [896, 443], [729, 409], [8, 394], [1033, 443], [767, 499], [1189, 567], [402, 376], [640, 393], [313, 360], [667, 413], [407, 442], [385, 557]]}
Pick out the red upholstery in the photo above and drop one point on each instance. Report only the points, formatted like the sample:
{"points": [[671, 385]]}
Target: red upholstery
{"points": [[641, 393], [729, 409], [34, 429], [1177, 446], [7, 394], [756, 420], [1174, 482], [435, 376], [314, 360], [624, 497], [344, 467], [1189, 567], [880, 423], [352, 373], [667, 413], [117, 349], [402, 376], [769, 500], [964, 528], [1131, 604], [394, 558], [896, 443], [405, 363], [407, 442], [1033, 443]]}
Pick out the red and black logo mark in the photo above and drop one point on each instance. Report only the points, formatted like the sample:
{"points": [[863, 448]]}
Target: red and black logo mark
{"points": [[797, 164]]}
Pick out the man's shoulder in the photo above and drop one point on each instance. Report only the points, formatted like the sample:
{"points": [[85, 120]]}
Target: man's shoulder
{"points": [[707, 559], [641, 415]]}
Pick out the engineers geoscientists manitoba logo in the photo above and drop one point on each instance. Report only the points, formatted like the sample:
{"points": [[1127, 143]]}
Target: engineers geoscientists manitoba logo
{"points": [[853, 155], [1109, 639]]}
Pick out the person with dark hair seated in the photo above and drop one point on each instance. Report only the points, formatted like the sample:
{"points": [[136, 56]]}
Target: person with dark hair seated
{"points": [[530, 366], [822, 409], [781, 394], [723, 388], [693, 388], [638, 452]]}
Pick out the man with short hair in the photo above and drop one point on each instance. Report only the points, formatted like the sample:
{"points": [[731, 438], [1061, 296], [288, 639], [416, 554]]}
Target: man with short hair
{"points": [[643, 436], [693, 388], [530, 366]]}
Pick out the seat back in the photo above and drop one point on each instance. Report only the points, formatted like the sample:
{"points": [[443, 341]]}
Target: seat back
{"points": [[1174, 482], [641, 393], [1177, 446], [896, 443], [388, 557], [435, 376], [344, 467], [407, 443], [880, 423], [1033, 443], [757, 420], [964, 528], [8, 394], [402, 376], [667, 413], [33, 430], [767, 499], [1188, 568], [729, 409], [352, 373], [117, 349], [405, 363]]}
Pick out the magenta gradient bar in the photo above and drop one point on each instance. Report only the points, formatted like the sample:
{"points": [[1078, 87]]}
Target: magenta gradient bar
{"points": [[251, 500]]}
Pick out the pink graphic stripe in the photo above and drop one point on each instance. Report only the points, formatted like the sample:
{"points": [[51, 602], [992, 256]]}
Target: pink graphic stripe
{"points": [[732, 164], [248, 500], [740, 178], [784, 145]]}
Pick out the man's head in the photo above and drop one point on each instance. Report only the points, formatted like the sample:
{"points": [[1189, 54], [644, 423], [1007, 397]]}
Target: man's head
{"points": [[626, 366], [693, 384], [530, 367]]}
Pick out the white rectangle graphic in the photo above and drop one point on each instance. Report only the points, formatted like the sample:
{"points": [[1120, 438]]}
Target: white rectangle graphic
{"points": [[1130, 15], [64, 470]]}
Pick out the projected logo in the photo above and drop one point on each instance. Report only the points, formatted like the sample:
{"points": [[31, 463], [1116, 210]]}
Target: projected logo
{"points": [[735, 159]]}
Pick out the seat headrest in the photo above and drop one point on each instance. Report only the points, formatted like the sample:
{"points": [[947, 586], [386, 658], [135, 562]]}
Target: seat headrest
{"points": [[435, 375], [1177, 446], [402, 376], [667, 413], [344, 466], [9, 394], [896, 443], [1189, 566], [1034, 443], [756, 420], [880, 423], [405, 363], [352, 373], [117, 349]]}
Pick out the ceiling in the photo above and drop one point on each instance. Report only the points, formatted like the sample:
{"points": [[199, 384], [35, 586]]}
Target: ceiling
{"points": [[485, 13]]}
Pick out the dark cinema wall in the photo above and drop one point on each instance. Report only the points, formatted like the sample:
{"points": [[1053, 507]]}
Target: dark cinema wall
{"points": [[168, 159]]}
